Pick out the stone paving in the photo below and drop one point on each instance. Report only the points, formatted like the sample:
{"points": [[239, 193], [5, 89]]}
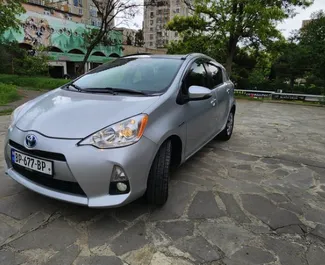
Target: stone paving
{"points": [[257, 199]]}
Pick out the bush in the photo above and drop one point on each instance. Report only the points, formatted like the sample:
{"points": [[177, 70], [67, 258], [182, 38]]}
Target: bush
{"points": [[15, 60], [8, 93], [36, 83]]}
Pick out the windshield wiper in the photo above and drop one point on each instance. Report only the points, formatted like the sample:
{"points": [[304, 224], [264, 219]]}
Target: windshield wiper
{"points": [[99, 90], [129, 91], [110, 90], [78, 88]]}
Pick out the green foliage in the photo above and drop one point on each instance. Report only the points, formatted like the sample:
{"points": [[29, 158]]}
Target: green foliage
{"points": [[129, 40], [15, 60], [8, 93], [228, 22], [139, 39], [291, 63], [35, 83], [32, 65], [312, 40], [195, 43], [9, 9]]}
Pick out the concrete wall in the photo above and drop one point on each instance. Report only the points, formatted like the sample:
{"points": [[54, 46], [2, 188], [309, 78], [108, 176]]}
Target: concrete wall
{"points": [[133, 49]]}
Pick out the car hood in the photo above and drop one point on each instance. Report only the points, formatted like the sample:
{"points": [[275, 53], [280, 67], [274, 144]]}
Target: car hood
{"points": [[75, 115]]}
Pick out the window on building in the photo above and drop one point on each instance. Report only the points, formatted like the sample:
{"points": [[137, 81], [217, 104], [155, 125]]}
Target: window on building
{"points": [[177, 10], [159, 12], [151, 43], [151, 22], [151, 14], [151, 36], [176, 34], [77, 3], [178, 2], [151, 29]]}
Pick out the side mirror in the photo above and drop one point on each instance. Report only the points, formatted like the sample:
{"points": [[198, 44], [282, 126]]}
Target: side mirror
{"points": [[198, 93]]}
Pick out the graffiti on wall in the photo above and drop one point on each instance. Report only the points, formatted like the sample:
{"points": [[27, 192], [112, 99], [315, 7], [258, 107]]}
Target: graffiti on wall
{"points": [[63, 35], [37, 31]]}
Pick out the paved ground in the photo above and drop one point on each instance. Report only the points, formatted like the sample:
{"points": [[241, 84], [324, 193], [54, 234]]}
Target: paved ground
{"points": [[258, 199]]}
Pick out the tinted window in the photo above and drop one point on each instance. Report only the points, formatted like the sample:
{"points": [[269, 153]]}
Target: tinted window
{"points": [[225, 74], [151, 75], [216, 74], [197, 76]]}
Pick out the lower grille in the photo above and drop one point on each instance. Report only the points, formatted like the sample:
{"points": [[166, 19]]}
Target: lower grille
{"points": [[45, 180], [39, 153]]}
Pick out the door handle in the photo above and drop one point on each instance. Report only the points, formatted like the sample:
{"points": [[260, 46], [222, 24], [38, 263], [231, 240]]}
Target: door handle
{"points": [[228, 90], [213, 102]]}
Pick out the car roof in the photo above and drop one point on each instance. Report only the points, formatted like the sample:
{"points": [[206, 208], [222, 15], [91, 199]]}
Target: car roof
{"points": [[173, 56]]}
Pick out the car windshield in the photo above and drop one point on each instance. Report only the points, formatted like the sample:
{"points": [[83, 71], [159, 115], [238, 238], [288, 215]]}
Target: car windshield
{"points": [[147, 75]]}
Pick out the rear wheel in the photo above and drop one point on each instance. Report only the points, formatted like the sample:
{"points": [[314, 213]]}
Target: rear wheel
{"points": [[226, 134], [157, 186]]}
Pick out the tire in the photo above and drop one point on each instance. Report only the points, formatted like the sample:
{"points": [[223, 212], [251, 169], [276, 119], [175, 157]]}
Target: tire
{"points": [[226, 134], [158, 179]]}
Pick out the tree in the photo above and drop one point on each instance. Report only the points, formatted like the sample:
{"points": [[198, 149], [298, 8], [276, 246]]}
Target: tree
{"points": [[108, 11], [9, 9], [291, 65], [15, 60], [312, 40], [129, 40], [139, 39], [230, 22]]}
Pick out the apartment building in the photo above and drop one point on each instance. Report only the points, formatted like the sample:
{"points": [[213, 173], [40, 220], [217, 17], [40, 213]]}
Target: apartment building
{"points": [[83, 11], [155, 19]]}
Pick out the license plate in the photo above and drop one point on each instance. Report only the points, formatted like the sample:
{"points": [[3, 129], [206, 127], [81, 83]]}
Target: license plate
{"points": [[33, 163]]}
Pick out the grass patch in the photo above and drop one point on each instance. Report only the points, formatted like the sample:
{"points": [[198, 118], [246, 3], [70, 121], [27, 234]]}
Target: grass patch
{"points": [[6, 112], [33, 83], [8, 93]]}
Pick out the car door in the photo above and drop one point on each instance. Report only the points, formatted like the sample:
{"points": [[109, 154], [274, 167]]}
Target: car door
{"points": [[221, 88], [200, 115]]}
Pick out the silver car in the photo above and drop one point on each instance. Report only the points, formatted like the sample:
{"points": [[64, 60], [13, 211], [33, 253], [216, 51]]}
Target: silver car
{"points": [[112, 135]]}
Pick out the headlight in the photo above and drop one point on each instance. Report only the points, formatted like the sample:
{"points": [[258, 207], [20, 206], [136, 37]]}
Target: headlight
{"points": [[119, 134], [15, 114]]}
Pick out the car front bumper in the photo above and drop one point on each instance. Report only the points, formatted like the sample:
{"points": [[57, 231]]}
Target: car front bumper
{"points": [[87, 167]]}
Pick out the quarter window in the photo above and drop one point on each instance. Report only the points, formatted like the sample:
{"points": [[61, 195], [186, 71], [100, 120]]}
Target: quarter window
{"points": [[216, 75]]}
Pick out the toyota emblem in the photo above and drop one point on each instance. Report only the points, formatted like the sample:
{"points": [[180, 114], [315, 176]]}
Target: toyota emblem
{"points": [[30, 140]]}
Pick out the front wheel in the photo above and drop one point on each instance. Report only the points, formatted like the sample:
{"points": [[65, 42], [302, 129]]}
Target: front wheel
{"points": [[226, 134], [158, 179]]}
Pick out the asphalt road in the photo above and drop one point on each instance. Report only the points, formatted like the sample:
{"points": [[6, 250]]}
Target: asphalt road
{"points": [[257, 199]]}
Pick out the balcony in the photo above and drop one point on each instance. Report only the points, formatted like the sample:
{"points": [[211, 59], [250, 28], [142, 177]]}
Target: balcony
{"points": [[63, 6], [37, 2]]}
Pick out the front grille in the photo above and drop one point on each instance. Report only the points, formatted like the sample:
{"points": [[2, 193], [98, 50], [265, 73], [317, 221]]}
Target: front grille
{"points": [[39, 153], [47, 181]]}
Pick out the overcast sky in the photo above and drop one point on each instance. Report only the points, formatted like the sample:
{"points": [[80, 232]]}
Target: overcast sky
{"points": [[295, 23], [286, 27]]}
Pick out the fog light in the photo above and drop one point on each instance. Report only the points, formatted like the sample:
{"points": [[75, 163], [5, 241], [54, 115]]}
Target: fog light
{"points": [[119, 182], [121, 187], [118, 175]]}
